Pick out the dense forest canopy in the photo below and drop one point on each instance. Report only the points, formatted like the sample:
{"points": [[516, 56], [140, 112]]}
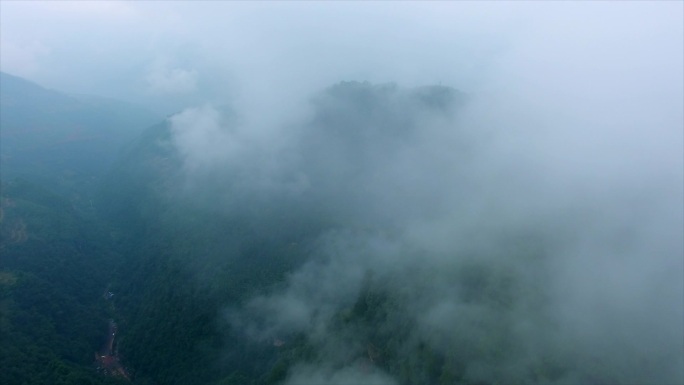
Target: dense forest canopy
{"points": [[341, 254]]}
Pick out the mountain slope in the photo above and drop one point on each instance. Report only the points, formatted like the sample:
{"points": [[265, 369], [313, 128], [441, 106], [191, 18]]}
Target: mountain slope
{"points": [[56, 257], [199, 239], [54, 267], [58, 139]]}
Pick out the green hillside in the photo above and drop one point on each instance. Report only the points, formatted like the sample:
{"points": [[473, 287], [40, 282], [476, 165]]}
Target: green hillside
{"points": [[54, 266], [61, 141], [355, 245]]}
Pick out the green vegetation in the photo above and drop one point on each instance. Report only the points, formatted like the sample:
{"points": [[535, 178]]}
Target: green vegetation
{"points": [[56, 257], [183, 265], [53, 270], [177, 267]]}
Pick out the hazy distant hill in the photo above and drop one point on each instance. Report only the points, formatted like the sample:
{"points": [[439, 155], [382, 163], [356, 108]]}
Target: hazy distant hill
{"points": [[59, 139]]}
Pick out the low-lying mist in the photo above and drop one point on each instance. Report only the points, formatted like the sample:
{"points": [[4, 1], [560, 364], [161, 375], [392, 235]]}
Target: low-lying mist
{"points": [[515, 246]]}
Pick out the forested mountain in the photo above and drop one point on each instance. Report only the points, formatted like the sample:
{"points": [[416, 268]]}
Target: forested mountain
{"points": [[341, 193], [202, 240], [62, 141], [213, 240], [54, 267], [56, 257], [355, 243]]}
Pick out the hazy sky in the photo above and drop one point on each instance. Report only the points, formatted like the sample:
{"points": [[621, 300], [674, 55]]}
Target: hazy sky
{"points": [[170, 54]]}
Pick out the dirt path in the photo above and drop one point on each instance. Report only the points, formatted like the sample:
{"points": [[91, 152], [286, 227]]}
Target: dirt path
{"points": [[107, 358]]}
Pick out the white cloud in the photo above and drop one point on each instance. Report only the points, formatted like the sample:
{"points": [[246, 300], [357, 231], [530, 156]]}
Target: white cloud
{"points": [[202, 139], [22, 59], [361, 374], [161, 79]]}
